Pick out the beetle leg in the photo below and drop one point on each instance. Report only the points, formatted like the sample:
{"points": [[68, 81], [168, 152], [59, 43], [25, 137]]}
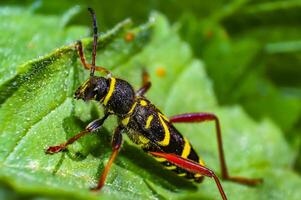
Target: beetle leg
{"points": [[96, 124], [116, 144], [193, 167], [79, 47], [201, 117], [146, 84]]}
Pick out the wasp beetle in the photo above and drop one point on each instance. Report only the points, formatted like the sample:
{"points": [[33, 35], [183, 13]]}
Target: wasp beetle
{"points": [[145, 124]]}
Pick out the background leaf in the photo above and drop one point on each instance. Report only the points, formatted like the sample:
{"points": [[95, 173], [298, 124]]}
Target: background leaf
{"points": [[37, 109]]}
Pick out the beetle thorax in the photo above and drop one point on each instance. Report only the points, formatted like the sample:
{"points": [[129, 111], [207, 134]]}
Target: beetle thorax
{"points": [[120, 96]]}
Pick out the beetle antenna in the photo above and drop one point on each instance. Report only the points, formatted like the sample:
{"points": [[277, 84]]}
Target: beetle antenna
{"points": [[95, 36]]}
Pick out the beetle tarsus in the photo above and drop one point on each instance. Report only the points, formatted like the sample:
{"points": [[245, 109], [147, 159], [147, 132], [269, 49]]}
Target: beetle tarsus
{"points": [[54, 149]]}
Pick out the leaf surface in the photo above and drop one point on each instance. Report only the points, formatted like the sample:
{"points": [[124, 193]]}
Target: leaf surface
{"points": [[38, 110]]}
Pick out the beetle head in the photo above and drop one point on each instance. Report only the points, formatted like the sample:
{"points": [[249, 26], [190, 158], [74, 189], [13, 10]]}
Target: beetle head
{"points": [[95, 88]]}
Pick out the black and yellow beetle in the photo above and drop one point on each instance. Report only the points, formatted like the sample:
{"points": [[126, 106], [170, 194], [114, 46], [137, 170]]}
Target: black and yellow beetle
{"points": [[145, 125]]}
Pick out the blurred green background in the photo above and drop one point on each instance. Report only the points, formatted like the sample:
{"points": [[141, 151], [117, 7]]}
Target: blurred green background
{"points": [[251, 50]]}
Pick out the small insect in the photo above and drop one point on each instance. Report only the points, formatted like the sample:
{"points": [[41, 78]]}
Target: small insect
{"points": [[145, 125]]}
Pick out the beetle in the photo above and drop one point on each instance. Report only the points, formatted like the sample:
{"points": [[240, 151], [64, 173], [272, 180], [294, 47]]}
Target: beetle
{"points": [[145, 124]]}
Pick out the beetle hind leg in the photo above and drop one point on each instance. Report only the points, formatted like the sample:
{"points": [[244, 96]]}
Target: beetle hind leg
{"points": [[202, 117], [192, 167]]}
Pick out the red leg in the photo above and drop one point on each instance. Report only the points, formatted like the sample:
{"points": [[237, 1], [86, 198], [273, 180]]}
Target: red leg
{"points": [[90, 128], [116, 144], [193, 167], [201, 117], [146, 84], [61, 147], [79, 47]]}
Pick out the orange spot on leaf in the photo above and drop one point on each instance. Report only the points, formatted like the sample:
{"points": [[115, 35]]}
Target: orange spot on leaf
{"points": [[209, 34], [129, 37], [160, 71]]}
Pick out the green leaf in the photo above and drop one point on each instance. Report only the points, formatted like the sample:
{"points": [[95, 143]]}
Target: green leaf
{"points": [[38, 110], [252, 66], [22, 39]]}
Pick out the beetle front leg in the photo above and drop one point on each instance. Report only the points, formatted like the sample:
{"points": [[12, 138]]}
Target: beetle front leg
{"points": [[202, 117], [96, 124], [116, 144]]}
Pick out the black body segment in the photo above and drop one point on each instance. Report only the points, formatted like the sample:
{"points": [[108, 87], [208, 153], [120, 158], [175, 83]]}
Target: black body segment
{"points": [[144, 123], [120, 96], [150, 129]]}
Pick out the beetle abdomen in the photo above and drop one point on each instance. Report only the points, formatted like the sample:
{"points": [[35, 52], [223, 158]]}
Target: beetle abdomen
{"points": [[149, 128]]}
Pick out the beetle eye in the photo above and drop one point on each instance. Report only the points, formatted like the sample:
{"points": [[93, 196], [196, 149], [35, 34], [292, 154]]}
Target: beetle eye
{"points": [[95, 89]]}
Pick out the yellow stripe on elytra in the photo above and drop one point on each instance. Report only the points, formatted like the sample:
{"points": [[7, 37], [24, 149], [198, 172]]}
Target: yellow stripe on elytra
{"points": [[165, 141], [163, 116], [171, 167], [125, 121], [111, 89], [143, 103], [201, 162], [197, 175], [143, 139], [186, 149], [132, 109], [148, 121], [182, 174], [160, 159]]}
